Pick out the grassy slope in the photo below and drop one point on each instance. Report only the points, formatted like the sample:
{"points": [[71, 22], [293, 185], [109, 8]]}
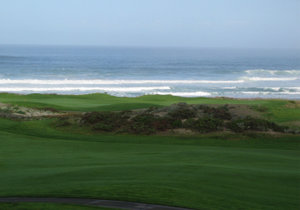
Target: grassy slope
{"points": [[196, 172]]}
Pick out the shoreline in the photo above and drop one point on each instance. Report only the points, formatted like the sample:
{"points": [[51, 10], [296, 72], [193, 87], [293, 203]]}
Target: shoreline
{"points": [[156, 95]]}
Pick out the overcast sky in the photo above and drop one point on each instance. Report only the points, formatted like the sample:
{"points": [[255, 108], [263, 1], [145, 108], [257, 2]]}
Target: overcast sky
{"points": [[154, 23]]}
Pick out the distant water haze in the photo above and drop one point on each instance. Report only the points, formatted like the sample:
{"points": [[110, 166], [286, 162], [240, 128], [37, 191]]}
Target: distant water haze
{"points": [[190, 72]]}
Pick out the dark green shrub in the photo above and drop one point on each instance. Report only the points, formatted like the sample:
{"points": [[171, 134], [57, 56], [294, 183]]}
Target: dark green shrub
{"points": [[253, 124], [102, 126], [204, 125], [162, 123], [182, 113], [189, 123], [62, 122], [104, 121], [208, 124], [176, 123], [219, 112], [143, 123], [91, 117]]}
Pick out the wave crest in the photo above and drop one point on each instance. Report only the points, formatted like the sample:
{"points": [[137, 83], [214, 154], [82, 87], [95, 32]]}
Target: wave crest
{"points": [[272, 72], [258, 79], [113, 82], [67, 89], [184, 94]]}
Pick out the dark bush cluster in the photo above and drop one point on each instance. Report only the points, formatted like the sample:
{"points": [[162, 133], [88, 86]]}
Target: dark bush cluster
{"points": [[184, 113], [254, 124], [143, 124], [148, 123], [204, 125], [218, 112], [105, 121], [63, 121], [201, 118]]}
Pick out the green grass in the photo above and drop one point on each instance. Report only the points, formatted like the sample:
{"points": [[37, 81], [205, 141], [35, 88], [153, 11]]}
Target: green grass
{"points": [[183, 171], [45, 206], [103, 102], [212, 171]]}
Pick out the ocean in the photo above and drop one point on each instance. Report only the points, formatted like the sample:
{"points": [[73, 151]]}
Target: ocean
{"points": [[131, 72]]}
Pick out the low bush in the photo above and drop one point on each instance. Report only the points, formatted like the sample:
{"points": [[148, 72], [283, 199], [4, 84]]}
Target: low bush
{"points": [[198, 118], [204, 125], [143, 123], [148, 123], [254, 124], [219, 112], [104, 121], [62, 122], [183, 113]]}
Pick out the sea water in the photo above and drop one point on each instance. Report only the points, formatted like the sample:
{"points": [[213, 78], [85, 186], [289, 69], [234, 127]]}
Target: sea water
{"points": [[125, 71]]}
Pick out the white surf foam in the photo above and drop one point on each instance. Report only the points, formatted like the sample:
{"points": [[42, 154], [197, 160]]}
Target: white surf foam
{"points": [[273, 72], [275, 89], [292, 88], [67, 89], [256, 92], [291, 93], [129, 82], [184, 94], [229, 88], [114, 82], [258, 79], [269, 93]]}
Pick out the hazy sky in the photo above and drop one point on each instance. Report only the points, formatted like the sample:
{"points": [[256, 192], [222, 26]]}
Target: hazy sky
{"points": [[187, 23]]}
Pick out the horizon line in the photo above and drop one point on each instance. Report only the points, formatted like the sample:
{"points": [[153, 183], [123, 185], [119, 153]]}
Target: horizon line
{"points": [[147, 46]]}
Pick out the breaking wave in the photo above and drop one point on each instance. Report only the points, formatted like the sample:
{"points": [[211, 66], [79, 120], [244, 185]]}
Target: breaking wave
{"points": [[184, 94], [114, 82], [269, 93], [257, 79], [272, 72], [67, 89]]}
